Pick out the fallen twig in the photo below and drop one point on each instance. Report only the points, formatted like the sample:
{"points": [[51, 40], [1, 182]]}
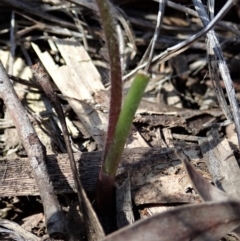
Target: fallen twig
{"points": [[89, 218], [16, 230], [181, 47], [36, 154]]}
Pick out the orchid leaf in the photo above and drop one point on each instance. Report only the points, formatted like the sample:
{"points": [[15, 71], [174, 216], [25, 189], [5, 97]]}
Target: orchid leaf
{"points": [[124, 123]]}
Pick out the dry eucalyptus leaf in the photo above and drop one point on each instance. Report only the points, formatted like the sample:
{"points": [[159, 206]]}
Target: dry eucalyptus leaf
{"points": [[200, 222], [207, 191]]}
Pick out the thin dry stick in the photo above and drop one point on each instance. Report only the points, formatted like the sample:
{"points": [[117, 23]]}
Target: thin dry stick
{"points": [[190, 11], [55, 220], [80, 27], [180, 47], [27, 7], [25, 82], [162, 4], [223, 69], [91, 220], [85, 3], [13, 44], [149, 51]]}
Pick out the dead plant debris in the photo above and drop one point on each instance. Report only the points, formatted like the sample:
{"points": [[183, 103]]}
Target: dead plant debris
{"points": [[190, 104]]}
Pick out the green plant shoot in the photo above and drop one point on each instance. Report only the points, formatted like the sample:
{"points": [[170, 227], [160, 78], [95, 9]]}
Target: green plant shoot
{"points": [[124, 123]]}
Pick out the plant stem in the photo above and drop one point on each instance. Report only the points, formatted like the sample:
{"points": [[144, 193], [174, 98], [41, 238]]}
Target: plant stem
{"points": [[109, 28], [124, 123]]}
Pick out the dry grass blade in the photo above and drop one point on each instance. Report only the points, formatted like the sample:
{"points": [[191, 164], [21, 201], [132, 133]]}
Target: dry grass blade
{"points": [[152, 44], [84, 3], [221, 163], [191, 12], [123, 19], [181, 47], [215, 49], [17, 230], [208, 221], [26, 7], [212, 43], [13, 43]]}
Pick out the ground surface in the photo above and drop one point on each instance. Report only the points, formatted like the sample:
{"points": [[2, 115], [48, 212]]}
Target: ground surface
{"points": [[180, 106]]}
